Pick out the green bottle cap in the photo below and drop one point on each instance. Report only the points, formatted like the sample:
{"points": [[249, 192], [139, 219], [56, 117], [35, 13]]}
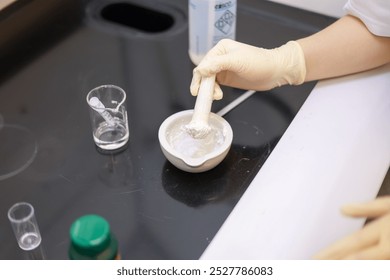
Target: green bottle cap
{"points": [[91, 238]]}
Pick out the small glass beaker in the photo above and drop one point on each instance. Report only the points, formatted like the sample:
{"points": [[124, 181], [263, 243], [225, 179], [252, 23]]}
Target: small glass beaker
{"points": [[108, 113], [24, 225]]}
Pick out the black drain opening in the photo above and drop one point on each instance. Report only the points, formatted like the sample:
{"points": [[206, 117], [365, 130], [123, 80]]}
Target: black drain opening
{"points": [[137, 17]]}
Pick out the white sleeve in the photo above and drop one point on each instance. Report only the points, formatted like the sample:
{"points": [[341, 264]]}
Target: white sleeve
{"points": [[375, 14]]}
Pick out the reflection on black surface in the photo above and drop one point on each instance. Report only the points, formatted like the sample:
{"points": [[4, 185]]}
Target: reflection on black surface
{"points": [[225, 182], [36, 254], [116, 171], [19, 147]]}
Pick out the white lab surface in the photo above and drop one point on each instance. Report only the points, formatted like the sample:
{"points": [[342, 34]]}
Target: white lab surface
{"points": [[336, 151]]}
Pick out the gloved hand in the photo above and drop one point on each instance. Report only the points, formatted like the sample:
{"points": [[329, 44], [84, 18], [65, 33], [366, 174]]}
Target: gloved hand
{"points": [[372, 241], [247, 67]]}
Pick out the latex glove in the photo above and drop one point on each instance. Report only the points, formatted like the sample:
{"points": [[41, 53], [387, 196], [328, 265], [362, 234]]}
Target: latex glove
{"points": [[372, 241], [247, 67]]}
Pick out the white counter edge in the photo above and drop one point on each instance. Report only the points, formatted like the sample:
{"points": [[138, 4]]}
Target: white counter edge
{"points": [[336, 151]]}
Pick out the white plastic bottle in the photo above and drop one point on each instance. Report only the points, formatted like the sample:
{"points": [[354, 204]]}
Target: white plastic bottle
{"points": [[209, 22]]}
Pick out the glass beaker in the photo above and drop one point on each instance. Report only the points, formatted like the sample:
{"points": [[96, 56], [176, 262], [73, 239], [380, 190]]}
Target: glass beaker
{"points": [[108, 113]]}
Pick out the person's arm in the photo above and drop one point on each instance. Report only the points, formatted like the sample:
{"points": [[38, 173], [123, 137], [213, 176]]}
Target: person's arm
{"points": [[344, 47]]}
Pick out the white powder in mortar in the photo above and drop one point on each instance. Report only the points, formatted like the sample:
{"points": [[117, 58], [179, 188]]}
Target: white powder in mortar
{"points": [[190, 147]]}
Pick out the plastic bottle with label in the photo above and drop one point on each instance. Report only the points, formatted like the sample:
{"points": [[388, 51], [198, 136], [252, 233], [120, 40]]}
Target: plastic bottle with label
{"points": [[91, 239], [209, 22]]}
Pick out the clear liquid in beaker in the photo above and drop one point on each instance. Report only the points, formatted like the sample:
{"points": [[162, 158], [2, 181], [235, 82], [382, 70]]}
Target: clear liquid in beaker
{"points": [[111, 137]]}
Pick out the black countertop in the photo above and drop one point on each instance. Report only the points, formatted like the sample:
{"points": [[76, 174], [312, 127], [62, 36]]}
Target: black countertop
{"points": [[53, 52]]}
